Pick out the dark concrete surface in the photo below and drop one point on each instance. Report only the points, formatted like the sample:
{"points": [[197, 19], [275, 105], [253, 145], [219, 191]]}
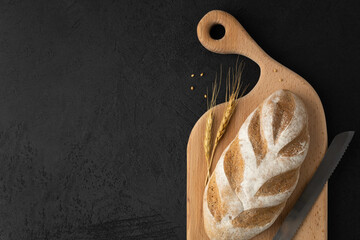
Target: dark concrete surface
{"points": [[95, 108]]}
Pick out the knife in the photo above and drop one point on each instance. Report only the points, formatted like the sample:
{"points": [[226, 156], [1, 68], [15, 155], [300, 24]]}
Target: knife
{"points": [[307, 199]]}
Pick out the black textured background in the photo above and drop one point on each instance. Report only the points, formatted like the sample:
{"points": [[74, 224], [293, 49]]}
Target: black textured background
{"points": [[95, 108]]}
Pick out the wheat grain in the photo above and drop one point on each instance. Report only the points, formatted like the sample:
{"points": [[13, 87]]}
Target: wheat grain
{"points": [[207, 138]]}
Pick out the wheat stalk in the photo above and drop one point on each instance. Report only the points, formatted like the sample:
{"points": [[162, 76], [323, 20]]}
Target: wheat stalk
{"points": [[210, 120], [207, 138], [232, 93]]}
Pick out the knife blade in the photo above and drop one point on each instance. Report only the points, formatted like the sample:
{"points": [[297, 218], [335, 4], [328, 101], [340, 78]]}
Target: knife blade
{"points": [[312, 190]]}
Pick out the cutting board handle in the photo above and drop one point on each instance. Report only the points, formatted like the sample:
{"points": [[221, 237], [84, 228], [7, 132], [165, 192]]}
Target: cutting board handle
{"points": [[235, 41]]}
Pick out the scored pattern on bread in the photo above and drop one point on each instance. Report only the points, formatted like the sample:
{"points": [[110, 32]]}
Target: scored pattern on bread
{"points": [[259, 170], [283, 114], [279, 183], [256, 216], [296, 146], [257, 140], [234, 166], [214, 201]]}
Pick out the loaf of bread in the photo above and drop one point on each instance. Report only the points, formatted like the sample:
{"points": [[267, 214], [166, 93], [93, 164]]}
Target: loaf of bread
{"points": [[258, 171]]}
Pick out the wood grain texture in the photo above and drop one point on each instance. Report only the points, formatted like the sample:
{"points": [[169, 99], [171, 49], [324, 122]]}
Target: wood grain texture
{"points": [[273, 76]]}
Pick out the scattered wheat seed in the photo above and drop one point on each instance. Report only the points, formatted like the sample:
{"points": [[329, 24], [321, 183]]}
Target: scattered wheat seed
{"points": [[201, 74], [205, 96], [275, 70], [192, 75], [280, 80], [192, 88]]}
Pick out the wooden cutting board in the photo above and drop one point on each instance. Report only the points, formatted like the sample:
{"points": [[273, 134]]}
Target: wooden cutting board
{"points": [[273, 76]]}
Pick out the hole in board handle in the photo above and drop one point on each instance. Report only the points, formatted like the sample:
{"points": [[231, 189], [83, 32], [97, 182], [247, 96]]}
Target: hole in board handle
{"points": [[217, 31]]}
